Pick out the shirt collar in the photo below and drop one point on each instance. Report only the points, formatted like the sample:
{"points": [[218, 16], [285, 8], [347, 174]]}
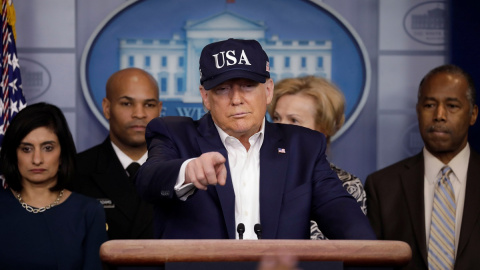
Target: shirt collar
{"points": [[126, 160], [459, 165], [224, 135]]}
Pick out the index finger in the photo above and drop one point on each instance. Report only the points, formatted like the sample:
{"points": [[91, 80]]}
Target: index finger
{"points": [[221, 172]]}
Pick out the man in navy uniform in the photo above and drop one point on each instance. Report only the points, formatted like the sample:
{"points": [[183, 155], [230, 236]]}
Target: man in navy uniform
{"points": [[106, 171]]}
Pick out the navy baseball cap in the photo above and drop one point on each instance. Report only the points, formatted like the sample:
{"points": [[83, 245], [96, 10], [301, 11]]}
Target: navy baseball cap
{"points": [[233, 58]]}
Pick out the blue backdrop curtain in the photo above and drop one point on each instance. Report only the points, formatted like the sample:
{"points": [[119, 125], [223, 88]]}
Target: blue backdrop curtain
{"points": [[465, 48]]}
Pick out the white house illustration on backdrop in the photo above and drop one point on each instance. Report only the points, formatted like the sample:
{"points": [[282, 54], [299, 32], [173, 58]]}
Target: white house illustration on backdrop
{"points": [[174, 62]]}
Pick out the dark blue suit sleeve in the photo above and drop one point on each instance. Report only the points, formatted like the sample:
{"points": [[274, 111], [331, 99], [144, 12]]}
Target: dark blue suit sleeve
{"points": [[336, 212], [157, 176]]}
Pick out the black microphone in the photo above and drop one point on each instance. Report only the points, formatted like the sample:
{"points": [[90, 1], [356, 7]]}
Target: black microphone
{"points": [[240, 230], [258, 230]]}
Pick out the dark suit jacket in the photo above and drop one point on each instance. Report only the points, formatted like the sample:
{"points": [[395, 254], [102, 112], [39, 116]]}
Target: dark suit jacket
{"points": [[395, 203], [295, 186], [101, 175]]}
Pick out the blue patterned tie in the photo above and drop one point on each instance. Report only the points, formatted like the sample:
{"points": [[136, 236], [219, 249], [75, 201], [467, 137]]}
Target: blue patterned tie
{"points": [[441, 246]]}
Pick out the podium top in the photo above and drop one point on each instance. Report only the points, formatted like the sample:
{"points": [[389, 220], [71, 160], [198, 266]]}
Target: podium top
{"points": [[350, 252]]}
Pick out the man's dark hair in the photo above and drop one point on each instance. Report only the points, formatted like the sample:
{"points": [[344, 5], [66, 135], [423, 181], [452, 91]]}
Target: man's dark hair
{"points": [[454, 70]]}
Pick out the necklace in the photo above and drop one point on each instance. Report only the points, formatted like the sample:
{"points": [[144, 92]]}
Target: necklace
{"points": [[35, 210]]}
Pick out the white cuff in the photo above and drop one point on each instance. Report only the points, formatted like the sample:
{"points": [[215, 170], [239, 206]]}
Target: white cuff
{"points": [[183, 191]]}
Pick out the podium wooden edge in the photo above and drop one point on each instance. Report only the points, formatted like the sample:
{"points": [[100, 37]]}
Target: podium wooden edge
{"points": [[350, 252]]}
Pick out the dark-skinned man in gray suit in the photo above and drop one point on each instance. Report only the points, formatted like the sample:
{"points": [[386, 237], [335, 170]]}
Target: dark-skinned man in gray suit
{"points": [[402, 199]]}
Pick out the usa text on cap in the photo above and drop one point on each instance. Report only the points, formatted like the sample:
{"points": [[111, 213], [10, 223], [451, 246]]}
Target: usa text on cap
{"points": [[233, 58]]}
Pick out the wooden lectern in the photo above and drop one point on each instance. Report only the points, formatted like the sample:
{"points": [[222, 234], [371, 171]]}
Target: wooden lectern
{"points": [[350, 252]]}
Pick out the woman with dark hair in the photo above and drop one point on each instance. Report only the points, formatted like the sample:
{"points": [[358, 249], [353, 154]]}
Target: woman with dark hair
{"points": [[42, 224]]}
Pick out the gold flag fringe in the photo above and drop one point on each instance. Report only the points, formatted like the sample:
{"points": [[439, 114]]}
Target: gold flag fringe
{"points": [[11, 17]]}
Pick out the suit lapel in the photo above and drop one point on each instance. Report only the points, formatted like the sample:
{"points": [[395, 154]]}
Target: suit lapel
{"points": [[413, 187], [211, 142], [273, 167], [471, 211], [113, 181]]}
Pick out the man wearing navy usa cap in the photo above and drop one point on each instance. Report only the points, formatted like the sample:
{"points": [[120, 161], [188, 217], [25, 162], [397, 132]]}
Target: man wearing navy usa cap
{"points": [[232, 174]]}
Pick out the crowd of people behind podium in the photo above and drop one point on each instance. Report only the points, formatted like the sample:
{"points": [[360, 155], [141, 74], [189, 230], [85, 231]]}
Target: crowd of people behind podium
{"points": [[178, 178]]}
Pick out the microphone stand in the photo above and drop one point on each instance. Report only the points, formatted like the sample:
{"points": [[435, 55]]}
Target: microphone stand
{"points": [[240, 230], [258, 230]]}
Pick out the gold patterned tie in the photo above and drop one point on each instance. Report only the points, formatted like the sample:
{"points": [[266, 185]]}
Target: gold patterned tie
{"points": [[441, 246]]}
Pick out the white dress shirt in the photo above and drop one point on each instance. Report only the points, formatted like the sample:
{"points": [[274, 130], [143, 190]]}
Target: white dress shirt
{"points": [[245, 173], [458, 177]]}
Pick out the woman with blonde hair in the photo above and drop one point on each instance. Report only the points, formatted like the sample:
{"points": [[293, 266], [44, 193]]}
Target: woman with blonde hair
{"points": [[315, 103]]}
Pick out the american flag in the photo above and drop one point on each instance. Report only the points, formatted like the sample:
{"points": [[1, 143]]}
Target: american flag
{"points": [[12, 99]]}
